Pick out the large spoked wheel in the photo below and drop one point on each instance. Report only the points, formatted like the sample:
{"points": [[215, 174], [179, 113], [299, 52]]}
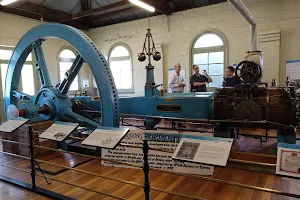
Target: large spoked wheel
{"points": [[53, 102], [248, 71]]}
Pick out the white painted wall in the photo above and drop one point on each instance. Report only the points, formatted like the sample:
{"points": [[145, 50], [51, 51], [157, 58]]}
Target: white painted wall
{"points": [[176, 33], [13, 27]]}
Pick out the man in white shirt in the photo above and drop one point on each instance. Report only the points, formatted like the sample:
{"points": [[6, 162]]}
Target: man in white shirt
{"points": [[177, 82]]}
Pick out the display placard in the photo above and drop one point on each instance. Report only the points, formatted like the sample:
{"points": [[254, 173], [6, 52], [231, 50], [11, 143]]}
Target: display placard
{"points": [[203, 150], [105, 137], [160, 160], [59, 131], [11, 125], [288, 160]]}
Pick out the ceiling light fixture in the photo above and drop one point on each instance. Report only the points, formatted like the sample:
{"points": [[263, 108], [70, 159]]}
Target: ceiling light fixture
{"points": [[143, 5], [6, 2]]}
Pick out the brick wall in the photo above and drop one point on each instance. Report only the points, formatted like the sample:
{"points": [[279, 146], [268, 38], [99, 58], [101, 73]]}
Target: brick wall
{"points": [[176, 33]]}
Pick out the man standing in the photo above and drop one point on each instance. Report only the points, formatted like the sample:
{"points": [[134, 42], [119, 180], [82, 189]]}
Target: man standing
{"points": [[198, 81], [177, 82], [230, 80]]}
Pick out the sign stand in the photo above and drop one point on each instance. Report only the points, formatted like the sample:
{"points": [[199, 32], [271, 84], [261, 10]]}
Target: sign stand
{"points": [[105, 137], [59, 131], [11, 125], [211, 152]]}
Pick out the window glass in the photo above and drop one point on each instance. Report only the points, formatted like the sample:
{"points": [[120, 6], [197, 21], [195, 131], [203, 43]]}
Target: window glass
{"points": [[67, 54], [119, 51], [67, 58], [208, 40], [5, 54], [217, 81], [29, 57], [216, 69], [210, 59], [3, 75], [216, 57], [121, 68], [201, 58], [27, 79]]}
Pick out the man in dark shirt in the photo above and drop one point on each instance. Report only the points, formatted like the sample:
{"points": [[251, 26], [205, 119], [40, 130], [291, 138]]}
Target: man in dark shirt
{"points": [[198, 81], [230, 80]]}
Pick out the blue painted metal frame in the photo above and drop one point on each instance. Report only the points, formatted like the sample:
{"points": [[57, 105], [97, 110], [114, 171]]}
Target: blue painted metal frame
{"points": [[41, 65], [86, 49], [198, 106]]}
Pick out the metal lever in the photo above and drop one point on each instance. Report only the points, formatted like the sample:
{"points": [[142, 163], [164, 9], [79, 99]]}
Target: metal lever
{"points": [[156, 86]]}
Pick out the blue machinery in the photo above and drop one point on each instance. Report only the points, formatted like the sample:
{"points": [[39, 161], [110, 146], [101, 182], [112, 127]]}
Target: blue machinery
{"points": [[245, 106]]}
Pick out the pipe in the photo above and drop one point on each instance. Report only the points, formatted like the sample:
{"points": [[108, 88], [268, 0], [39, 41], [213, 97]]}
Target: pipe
{"points": [[240, 6]]}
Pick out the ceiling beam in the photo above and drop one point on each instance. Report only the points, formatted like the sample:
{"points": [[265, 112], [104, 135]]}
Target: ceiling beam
{"points": [[86, 5], [45, 9], [160, 6], [95, 10], [126, 10], [39, 16]]}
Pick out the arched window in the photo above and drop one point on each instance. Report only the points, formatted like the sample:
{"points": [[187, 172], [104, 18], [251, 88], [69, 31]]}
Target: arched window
{"points": [[208, 51], [121, 67], [66, 59], [27, 73]]}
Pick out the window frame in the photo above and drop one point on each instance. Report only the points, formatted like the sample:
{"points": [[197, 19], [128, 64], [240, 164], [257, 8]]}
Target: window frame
{"points": [[123, 91], [59, 59], [36, 86], [212, 49]]}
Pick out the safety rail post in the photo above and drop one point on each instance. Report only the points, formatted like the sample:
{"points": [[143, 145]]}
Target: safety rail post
{"points": [[31, 148], [146, 169]]}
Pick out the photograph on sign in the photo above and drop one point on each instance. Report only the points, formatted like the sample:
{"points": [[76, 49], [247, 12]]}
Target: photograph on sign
{"points": [[11, 125], [105, 138], [157, 159], [288, 160], [59, 131], [203, 151]]}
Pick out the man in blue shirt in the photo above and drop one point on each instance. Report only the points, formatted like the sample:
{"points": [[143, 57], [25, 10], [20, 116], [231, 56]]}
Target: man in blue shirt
{"points": [[231, 80]]}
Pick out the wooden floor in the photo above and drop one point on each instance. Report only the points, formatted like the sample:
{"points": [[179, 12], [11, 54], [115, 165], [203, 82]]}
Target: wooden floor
{"points": [[175, 183], [9, 191], [180, 184]]}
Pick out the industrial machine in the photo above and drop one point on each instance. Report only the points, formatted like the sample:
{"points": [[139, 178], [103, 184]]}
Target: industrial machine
{"points": [[248, 105], [53, 103]]}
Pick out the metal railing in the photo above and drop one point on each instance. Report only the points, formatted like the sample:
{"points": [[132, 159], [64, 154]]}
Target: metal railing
{"points": [[146, 169]]}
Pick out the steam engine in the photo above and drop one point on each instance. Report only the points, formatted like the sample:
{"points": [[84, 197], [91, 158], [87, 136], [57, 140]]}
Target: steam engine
{"points": [[253, 104]]}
